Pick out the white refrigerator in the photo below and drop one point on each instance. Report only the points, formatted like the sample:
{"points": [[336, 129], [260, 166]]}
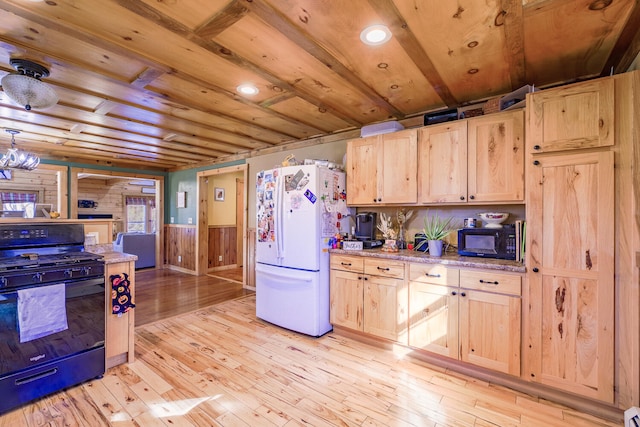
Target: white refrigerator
{"points": [[299, 209]]}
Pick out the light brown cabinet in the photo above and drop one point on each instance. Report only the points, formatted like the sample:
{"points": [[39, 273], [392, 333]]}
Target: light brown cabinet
{"points": [[572, 117], [382, 169], [369, 295], [119, 341], [469, 315], [570, 260], [476, 160]]}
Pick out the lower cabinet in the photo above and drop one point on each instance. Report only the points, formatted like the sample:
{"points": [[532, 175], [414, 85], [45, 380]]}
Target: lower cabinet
{"points": [[119, 329], [369, 295], [469, 315]]}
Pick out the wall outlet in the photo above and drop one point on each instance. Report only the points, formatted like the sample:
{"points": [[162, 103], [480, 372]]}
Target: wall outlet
{"points": [[179, 258], [172, 220], [190, 221], [219, 257]]}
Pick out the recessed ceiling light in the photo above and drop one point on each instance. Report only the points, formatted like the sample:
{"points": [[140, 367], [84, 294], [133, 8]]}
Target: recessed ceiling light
{"points": [[375, 35], [247, 89]]}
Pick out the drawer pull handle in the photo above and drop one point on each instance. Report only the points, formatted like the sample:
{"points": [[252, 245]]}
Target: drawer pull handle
{"points": [[489, 282], [347, 264], [431, 275], [383, 268]]}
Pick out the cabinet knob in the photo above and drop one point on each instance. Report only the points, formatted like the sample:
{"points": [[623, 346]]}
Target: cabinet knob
{"points": [[472, 197], [536, 147], [535, 269], [536, 162], [379, 200], [463, 294], [454, 293], [461, 197], [374, 200]]}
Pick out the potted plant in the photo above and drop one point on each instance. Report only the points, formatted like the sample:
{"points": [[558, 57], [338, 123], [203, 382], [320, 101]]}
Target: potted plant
{"points": [[435, 229]]}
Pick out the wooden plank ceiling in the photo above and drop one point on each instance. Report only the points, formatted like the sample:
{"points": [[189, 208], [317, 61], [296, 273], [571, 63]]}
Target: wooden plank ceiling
{"points": [[152, 83]]}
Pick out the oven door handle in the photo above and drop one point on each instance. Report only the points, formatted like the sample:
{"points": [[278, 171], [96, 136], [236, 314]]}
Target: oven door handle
{"points": [[36, 377]]}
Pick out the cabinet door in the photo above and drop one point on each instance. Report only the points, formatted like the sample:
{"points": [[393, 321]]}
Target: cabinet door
{"points": [[385, 308], [345, 298], [442, 152], [119, 338], [433, 318], [490, 330], [571, 272], [362, 170], [571, 117], [496, 158], [398, 180]]}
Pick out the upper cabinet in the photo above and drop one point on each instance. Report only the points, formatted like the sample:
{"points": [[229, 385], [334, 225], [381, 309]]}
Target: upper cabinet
{"points": [[571, 117], [382, 169], [476, 160]]}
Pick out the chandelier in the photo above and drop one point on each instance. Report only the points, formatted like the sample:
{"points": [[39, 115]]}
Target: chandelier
{"points": [[18, 159], [25, 88]]}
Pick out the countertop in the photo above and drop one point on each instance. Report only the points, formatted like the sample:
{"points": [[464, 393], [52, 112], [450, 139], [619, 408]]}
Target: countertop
{"points": [[450, 258], [110, 256]]}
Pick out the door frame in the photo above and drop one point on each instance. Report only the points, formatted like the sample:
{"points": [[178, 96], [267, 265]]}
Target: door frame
{"points": [[202, 225]]}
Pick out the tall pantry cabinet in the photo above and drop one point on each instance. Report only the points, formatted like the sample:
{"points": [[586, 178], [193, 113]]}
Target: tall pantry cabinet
{"points": [[581, 239]]}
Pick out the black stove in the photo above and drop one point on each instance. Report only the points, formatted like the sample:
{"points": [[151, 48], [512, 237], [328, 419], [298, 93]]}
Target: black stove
{"points": [[52, 311]]}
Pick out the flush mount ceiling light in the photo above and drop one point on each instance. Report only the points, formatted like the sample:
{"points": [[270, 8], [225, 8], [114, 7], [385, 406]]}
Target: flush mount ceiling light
{"points": [[25, 88], [375, 35], [18, 159], [247, 89]]}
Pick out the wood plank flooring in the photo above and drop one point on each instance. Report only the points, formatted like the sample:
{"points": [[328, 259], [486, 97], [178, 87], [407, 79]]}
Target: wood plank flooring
{"points": [[221, 366], [164, 293]]}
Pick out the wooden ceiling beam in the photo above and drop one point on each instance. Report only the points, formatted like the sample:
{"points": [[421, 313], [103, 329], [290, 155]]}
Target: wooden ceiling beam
{"points": [[387, 10], [219, 22]]}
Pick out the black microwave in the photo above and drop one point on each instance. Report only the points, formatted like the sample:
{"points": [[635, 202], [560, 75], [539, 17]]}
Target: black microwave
{"points": [[488, 242]]}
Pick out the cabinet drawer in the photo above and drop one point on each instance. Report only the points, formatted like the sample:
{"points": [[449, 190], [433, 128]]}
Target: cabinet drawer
{"points": [[491, 282], [434, 273], [347, 263], [384, 267]]}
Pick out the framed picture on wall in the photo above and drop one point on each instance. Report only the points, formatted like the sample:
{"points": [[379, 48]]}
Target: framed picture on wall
{"points": [[181, 199], [219, 194]]}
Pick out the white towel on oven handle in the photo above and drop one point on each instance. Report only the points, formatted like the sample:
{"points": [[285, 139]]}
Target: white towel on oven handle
{"points": [[42, 311]]}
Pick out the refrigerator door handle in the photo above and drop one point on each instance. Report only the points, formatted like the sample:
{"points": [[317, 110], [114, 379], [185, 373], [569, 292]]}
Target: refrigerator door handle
{"points": [[279, 223], [283, 278]]}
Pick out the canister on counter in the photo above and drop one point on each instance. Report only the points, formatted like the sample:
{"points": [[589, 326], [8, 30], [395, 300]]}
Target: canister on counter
{"points": [[470, 223]]}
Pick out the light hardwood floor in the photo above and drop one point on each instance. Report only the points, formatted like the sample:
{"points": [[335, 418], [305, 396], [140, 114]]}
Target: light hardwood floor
{"points": [[220, 366]]}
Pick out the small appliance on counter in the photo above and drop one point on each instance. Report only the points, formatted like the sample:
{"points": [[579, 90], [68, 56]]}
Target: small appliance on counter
{"points": [[500, 243], [366, 229]]}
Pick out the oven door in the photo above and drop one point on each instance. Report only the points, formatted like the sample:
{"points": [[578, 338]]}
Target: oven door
{"points": [[85, 312]]}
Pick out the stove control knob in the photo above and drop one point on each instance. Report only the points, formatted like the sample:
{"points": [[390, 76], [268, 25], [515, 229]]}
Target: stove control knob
{"points": [[3, 282], [38, 277], [86, 270], [68, 273]]}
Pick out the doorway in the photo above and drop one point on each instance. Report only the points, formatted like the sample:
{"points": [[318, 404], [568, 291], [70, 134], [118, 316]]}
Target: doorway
{"points": [[222, 211]]}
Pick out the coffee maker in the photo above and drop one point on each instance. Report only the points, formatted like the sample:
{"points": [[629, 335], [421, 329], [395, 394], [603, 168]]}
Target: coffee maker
{"points": [[366, 225]]}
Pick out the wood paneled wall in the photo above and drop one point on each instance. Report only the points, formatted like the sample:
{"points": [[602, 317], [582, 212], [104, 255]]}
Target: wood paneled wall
{"points": [[223, 246], [108, 193], [180, 246]]}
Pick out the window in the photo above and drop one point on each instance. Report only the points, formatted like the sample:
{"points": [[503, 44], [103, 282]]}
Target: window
{"points": [[18, 204], [141, 214]]}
